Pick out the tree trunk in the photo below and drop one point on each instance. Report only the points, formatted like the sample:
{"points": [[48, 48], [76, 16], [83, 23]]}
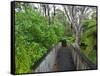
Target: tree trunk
{"points": [[48, 13], [78, 36], [54, 8]]}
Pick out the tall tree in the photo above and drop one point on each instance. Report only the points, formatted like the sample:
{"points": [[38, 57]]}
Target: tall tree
{"points": [[54, 9], [48, 13], [44, 9], [75, 15]]}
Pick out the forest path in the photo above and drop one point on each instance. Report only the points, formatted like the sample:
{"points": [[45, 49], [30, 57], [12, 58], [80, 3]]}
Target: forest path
{"points": [[64, 61]]}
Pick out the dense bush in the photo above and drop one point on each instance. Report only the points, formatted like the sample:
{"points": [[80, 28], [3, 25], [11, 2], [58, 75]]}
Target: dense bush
{"points": [[88, 40], [33, 37]]}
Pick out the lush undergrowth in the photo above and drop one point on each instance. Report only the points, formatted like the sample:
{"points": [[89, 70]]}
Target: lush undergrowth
{"points": [[88, 40], [33, 37]]}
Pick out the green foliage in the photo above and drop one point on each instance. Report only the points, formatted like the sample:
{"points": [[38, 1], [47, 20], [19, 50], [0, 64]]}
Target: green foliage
{"points": [[33, 37], [69, 39], [88, 40], [27, 55]]}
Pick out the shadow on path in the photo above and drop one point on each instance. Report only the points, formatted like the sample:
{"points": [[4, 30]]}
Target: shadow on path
{"points": [[64, 61]]}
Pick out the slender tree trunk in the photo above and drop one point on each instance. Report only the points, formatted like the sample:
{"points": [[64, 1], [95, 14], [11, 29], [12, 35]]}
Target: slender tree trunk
{"points": [[53, 17], [44, 9], [54, 8], [48, 11]]}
